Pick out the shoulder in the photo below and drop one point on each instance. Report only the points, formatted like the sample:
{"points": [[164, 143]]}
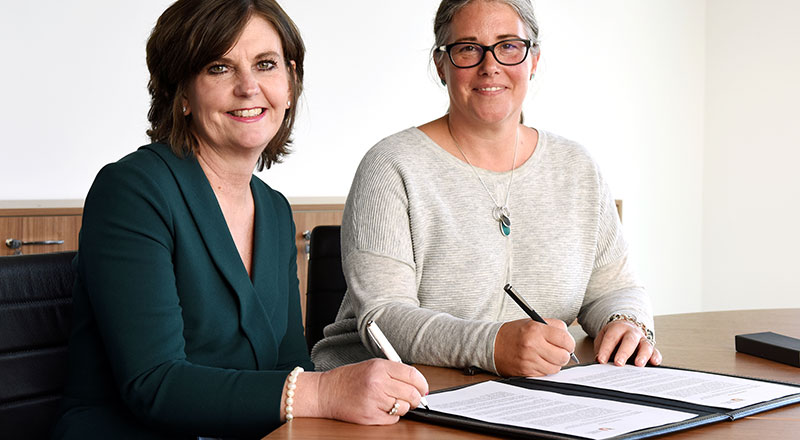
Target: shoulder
{"points": [[397, 145], [145, 164], [566, 155], [135, 193], [561, 148], [142, 178], [401, 153], [142, 167]]}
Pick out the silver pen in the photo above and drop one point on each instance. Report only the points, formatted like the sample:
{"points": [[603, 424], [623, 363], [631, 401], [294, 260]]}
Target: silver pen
{"points": [[380, 340]]}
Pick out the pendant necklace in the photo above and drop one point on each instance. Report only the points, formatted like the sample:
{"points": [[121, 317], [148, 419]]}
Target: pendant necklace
{"points": [[501, 214]]}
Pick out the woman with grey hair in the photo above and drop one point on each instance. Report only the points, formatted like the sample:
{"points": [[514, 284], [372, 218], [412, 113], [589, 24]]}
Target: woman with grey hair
{"points": [[442, 216]]}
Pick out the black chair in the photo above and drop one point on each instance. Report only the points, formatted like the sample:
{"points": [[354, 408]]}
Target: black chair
{"points": [[35, 318], [326, 284]]}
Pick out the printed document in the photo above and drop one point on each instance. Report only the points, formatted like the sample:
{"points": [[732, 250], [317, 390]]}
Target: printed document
{"points": [[687, 386], [587, 417]]}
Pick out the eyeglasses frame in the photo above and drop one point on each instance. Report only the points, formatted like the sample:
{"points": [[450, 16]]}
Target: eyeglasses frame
{"points": [[448, 47]]}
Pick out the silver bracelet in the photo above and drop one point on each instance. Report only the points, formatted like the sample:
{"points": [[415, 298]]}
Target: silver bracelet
{"points": [[290, 392], [648, 334]]}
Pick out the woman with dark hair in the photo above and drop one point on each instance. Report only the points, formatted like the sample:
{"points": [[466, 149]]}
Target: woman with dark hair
{"points": [[442, 216], [186, 317]]}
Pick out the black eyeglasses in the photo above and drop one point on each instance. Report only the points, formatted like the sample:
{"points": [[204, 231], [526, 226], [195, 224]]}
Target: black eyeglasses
{"points": [[507, 52]]}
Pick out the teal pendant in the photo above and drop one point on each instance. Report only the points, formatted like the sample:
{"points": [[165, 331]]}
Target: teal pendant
{"points": [[505, 225]]}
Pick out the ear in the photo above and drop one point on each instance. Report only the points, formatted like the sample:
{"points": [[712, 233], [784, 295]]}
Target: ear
{"points": [[185, 106], [440, 72], [535, 62], [293, 72]]}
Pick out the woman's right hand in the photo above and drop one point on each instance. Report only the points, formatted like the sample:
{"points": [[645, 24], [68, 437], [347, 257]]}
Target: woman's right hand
{"points": [[365, 392], [528, 348]]}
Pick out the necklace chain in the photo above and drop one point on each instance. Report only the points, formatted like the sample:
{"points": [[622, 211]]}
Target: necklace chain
{"points": [[499, 211]]}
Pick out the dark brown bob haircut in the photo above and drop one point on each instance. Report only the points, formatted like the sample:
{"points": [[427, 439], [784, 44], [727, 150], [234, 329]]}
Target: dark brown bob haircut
{"points": [[189, 36]]}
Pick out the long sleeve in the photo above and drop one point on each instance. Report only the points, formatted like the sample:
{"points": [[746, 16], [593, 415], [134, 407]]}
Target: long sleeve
{"points": [[423, 256], [613, 286], [384, 276], [155, 317], [383, 266]]}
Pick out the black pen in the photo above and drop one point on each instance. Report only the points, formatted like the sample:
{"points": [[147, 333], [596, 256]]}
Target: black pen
{"points": [[529, 310]]}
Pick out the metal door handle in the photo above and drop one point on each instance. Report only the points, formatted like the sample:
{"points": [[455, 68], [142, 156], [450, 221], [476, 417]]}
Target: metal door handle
{"points": [[13, 243], [307, 239]]}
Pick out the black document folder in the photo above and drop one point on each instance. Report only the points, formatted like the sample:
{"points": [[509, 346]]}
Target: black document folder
{"points": [[700, 414]]}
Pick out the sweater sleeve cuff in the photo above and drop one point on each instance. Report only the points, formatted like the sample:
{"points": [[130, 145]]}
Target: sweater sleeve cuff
{"points": [[489, 364]]}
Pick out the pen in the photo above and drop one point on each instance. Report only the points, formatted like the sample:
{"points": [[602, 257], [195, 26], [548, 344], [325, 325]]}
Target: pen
{"points": [[380, 340], [529, 310]]}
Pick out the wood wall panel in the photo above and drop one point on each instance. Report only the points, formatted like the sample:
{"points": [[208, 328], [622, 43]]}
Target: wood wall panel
{"points": [[63, 227], [31, 226]]}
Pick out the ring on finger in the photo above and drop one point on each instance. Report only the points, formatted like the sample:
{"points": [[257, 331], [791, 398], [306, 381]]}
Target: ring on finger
{"points": [[395, 408]]}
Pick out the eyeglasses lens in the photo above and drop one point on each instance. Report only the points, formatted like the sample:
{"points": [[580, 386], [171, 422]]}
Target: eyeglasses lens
{"points": [[505, 52]]}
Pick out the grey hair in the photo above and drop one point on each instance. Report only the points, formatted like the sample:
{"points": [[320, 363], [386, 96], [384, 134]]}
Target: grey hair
{"points": [[442, 23]]}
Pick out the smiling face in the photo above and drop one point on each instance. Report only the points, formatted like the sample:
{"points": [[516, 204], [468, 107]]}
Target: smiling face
{"points": [[490, 92], [238, 102]]}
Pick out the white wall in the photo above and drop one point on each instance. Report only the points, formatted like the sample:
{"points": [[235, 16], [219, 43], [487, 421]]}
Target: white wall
{"points": [[73, 90], [367, 77], [751, 181], [625, 77]]}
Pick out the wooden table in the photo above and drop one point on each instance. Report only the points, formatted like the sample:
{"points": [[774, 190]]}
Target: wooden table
{"points": [[702, 341]]}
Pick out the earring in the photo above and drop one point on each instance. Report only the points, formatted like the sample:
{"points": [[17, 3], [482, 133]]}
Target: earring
{"points": [[444, 83], [288, 104], [532, 75], [184, 109]]}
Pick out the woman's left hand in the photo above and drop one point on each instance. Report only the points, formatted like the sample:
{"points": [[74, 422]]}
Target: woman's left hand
{"points": [[627, 339]]}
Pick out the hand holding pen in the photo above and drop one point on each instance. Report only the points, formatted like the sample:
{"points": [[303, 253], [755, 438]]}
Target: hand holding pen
{"points": [[383, 343], [526, 348], [530, 312]]}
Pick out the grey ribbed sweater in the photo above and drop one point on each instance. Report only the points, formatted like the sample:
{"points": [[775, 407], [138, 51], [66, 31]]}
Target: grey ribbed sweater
{"points": [[423, 256]]}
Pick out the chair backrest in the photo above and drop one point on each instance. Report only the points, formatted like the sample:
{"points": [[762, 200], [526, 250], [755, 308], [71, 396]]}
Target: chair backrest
{"points": [[326, 284], [35, 318]]}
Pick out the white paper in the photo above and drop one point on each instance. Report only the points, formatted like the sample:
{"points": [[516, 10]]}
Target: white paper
{"points": [[686, 386], [501, 403]]}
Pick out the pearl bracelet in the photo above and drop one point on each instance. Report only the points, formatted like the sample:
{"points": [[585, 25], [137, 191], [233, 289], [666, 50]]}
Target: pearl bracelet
{"points": [[290, 392], [648, 334]]}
